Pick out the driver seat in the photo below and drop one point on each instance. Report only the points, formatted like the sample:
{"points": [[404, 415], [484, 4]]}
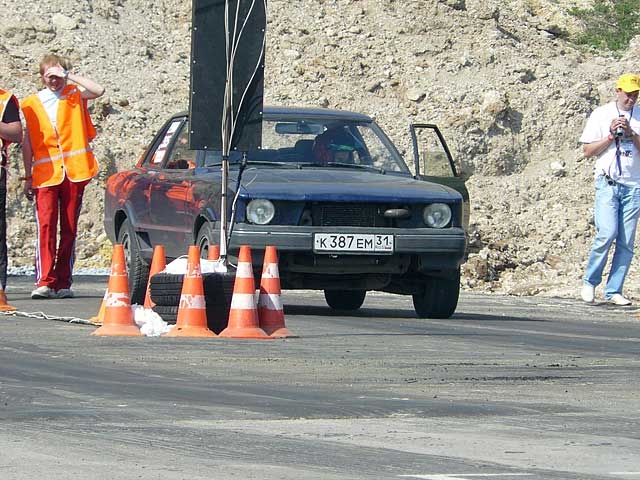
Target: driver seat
{"points": [[304, 148]]}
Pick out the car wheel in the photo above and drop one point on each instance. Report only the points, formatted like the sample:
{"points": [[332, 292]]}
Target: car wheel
{"points": [[345, 299], [205, 239], [439, 297], [137, 268]]}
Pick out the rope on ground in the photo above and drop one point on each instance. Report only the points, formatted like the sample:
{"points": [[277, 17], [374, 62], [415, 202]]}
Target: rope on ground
{"points": [[44, 316]]}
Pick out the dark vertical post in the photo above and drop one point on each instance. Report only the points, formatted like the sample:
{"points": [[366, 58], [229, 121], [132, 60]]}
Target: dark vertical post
{"points": [[218, 56], [227, 83]]}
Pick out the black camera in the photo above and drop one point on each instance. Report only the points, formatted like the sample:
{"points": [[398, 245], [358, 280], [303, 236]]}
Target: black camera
{"points": [[619, 131]]}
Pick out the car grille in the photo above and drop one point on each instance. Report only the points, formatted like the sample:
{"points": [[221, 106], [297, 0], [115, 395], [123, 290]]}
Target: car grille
{"points": [[348, 215]]}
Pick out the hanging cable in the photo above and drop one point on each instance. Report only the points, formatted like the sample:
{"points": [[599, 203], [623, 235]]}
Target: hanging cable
{"points": [[243, 166], [229, 117], [231, 61], [44, 316]]}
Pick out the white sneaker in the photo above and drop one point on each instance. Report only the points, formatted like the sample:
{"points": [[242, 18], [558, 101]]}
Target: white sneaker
{"points": [[618, 299], [588, 293], [42, 292], [65, 293]]}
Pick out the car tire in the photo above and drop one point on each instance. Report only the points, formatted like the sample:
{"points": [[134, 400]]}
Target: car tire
{"points": [[168, 313], [439, 297], [137, 268], [345, 299], [165, 290], [204, 240]]}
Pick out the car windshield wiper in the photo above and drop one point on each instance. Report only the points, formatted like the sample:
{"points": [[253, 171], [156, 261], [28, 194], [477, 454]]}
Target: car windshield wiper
{"points": [[302, 165], [332, 164], [268, 162], [254, 162], [354, 165]]}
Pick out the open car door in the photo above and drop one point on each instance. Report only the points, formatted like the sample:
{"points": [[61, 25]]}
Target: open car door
{"points": [[433, 161]]}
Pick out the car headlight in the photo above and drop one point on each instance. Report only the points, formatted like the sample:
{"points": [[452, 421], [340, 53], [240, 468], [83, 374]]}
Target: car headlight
{"points": [[260, 211], [437, 215]]}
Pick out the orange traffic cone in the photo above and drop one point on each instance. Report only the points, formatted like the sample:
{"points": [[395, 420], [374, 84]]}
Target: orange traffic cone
{"points": [[214, 252], [99, 318], [192, 313], [243, 314], [118, 317], [158, 262], [4, 306], [270, 309]]}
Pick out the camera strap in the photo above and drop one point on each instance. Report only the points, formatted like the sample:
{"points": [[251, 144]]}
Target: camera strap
{"points": [[618, 139], [618, 164]]}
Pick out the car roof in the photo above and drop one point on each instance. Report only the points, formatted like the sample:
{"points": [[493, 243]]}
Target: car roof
{"points": [[307, 112]]}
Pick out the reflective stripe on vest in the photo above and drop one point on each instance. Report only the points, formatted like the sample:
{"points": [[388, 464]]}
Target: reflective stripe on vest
{"points": [[65, 149]]}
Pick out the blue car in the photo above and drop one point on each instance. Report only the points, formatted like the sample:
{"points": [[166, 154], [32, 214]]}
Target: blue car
{"points": [[327, 188]]}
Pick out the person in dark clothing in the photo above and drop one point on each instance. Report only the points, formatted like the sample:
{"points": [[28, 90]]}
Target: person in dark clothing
{"points": [[334, 145], [10, 132]]}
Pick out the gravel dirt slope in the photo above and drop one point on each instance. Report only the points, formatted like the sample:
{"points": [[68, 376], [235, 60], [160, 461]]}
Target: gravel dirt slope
{"points": [[503, 81]]}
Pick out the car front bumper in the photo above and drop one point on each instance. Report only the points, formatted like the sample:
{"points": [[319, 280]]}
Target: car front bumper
{"points": [[428, 249]]}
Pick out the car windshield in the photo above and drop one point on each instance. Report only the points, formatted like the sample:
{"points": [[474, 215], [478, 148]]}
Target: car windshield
{"points": [[319, 143]]}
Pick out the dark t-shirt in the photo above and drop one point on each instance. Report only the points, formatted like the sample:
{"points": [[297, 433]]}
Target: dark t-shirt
{"points": [[11, 113]]}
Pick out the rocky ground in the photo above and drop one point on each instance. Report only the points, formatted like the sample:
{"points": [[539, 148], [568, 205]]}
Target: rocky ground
{"points": [[501, 78]]}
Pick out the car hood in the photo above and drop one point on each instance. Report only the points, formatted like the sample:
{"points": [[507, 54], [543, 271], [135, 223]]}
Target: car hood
{"points": [[341, 184]]}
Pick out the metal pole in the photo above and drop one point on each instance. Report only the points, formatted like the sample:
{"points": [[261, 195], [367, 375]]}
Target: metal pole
{"points": [[223, 210]]}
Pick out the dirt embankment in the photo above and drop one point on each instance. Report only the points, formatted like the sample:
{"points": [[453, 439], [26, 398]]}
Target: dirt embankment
{"points": [[510, 92]]}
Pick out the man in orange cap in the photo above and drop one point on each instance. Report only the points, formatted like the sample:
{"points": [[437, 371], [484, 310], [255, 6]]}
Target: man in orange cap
{"points": [[611, 135], [59, 163]]}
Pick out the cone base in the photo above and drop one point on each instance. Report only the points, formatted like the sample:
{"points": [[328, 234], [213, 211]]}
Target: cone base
{"points": [[118, 331], [244, 332], [8, 308], [272, 322], [282, 332], [189, 332], [99, 318]]}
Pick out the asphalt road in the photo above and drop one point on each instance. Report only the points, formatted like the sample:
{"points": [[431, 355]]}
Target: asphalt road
{"points": [[509, 388]]}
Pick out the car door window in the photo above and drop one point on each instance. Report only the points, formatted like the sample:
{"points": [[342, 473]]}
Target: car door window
{"points": [[159, 154], [181, 157], [431, 153], [434, 158]]}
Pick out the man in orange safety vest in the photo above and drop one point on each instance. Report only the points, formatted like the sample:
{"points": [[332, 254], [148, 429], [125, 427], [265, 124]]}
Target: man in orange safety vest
{"points": [[59, 163]]}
